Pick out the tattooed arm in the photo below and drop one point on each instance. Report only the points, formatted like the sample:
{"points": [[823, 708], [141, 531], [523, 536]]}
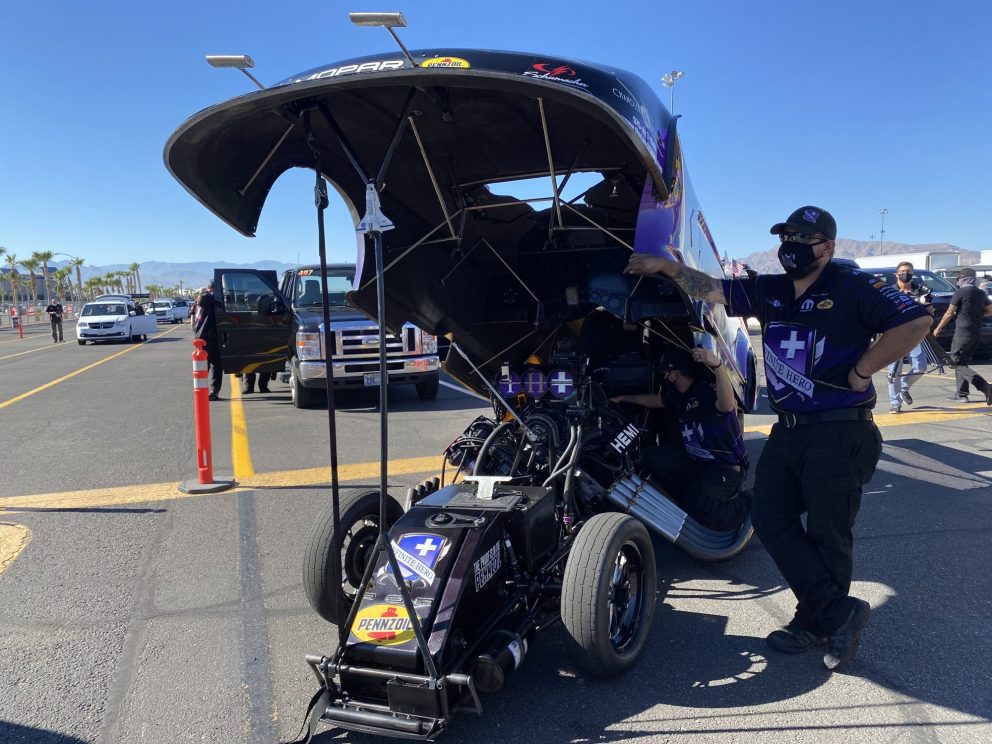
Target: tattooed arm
{"points": [[693, 283]]}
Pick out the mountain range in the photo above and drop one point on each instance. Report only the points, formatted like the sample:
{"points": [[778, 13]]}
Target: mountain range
{"points": [[195, 274], [192, 275], [766, 262]]}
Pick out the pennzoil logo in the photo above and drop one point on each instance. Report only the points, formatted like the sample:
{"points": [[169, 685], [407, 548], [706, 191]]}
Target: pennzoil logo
{"points": [[446, 62], [383, 625]]}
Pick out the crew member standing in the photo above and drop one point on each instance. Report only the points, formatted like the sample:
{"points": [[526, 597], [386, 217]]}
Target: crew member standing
{"points": [[705, 472], [817, 322], [205, 327], [54, 311], [969, 305], [899, 381]]}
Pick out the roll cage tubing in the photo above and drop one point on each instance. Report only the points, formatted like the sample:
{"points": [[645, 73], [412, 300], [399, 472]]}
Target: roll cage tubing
{"points": [[373, 226]]}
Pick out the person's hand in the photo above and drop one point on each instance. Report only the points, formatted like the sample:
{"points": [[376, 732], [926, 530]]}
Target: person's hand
{"points": [[707, 357], [856, 382], [644, 264]]}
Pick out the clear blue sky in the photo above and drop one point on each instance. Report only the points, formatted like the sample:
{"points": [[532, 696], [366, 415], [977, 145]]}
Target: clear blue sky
{"points": [[852, 105]]}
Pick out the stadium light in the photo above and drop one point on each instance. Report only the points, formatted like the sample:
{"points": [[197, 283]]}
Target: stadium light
{"points": [[668, 80]]}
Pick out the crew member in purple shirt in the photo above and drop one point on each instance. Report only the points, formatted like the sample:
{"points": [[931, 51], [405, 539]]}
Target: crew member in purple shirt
{"points": [[704, 474], [818, 320]]}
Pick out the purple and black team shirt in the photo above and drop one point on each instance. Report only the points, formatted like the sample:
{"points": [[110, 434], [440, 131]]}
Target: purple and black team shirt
{"points": [[811, 342], [708, 434]]}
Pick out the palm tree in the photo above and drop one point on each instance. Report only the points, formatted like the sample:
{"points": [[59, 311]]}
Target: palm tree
{"points": [[76, 263], [31, 264], [133, 268], [94, 286], [43, 258], [61, 276], [14, 278], [3, 251], [109, 280]]}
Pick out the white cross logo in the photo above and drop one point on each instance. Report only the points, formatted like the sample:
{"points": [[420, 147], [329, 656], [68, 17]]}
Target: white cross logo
{"points": [[425, 547], [687, 433], [792, 345], [561, 382]]}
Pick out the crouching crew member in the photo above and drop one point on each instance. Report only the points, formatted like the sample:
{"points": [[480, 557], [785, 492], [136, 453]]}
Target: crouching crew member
{"points": [[705, 473], [817, 324]]}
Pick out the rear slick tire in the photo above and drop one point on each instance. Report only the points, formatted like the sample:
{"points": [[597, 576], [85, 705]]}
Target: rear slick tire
{"points": [[359, 528], [608, 594]]}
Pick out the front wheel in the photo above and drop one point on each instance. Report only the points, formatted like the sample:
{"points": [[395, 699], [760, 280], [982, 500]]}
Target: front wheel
{"points": [[80, 342], [331, 597], [608, 594], [428, 389], [303, 397]]}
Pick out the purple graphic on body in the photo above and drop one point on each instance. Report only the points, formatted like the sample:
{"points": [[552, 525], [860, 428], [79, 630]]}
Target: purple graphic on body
{"points": [[535, 383], [510, 385], [562, 383], [790, 352]]}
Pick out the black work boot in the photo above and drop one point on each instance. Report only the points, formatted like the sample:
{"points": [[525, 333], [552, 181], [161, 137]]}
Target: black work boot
{"points": [[795, 638], [842, 644]]}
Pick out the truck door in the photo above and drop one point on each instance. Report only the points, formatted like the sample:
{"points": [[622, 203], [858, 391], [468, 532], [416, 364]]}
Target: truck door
{"points": [[252, 321]]}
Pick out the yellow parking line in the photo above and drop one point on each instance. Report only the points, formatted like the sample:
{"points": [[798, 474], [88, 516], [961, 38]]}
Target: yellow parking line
{"points": [[240, 450], [53, 383], [13, 539], [911, 417], [153, 492], [52, 345]]}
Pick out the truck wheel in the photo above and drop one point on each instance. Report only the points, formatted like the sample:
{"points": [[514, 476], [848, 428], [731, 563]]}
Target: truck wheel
{"points": [[302, 397], [608, 594], [332, 597], [427, 389]]}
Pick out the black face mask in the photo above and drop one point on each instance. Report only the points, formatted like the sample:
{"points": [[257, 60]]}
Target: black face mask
{"points": [[796, 258], [905, 276]]}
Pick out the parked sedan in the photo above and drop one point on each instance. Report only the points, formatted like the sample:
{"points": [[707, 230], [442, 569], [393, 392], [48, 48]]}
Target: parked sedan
{"points": [[942, 293]]}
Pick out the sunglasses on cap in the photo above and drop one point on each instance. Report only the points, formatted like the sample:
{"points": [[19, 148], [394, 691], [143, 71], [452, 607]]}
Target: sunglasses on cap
{"points": [[802, 238]]}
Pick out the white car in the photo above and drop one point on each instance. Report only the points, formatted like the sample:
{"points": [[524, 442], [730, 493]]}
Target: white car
{"points": [[169, 311], [111, 319]]}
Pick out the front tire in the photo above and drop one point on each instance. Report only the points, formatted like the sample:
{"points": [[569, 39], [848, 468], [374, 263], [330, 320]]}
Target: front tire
{"points": [[302, 397], [80, 342], [428, 389], [332, 597], [608, 594]]}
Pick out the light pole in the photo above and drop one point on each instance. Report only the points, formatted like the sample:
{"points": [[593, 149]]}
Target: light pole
{"points": [[668, 80], [79, 290], [871, 238], [881, 233]]}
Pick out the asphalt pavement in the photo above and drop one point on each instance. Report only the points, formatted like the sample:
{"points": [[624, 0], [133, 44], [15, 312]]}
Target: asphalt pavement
{"points": [[132, 613]]}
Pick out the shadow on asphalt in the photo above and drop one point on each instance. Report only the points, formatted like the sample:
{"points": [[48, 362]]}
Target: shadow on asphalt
{"points": [[402, 399], [11, 733], [921, 557], [82, 510]]}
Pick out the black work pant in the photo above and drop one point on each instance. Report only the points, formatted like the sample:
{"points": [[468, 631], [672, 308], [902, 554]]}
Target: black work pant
{"points": [[56, 329], [963, 346], [710, 492], [212, 347], [816, 469]]}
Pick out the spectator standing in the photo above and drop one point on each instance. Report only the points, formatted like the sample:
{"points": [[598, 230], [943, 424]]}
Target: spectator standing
{"points": [[54, 311], [969, 305], [205, 327], [899, 381], [817, 322]]}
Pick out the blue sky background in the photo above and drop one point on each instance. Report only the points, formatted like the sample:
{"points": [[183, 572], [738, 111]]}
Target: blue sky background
{"points": [[850, 105]]}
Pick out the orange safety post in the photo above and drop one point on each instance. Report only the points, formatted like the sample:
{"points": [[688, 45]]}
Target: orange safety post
{"points": [[205, 482]]}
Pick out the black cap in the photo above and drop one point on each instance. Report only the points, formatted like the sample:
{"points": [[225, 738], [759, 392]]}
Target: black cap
{"points": [[676, 358], [809, 220]]}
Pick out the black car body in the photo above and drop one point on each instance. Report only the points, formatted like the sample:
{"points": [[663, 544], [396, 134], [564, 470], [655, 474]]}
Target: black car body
{"points": [[268, 328], [942, 292]]}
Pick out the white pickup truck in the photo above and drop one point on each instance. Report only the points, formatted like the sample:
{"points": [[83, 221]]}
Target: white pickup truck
{"points": [[113, 318], [169, 311]]}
